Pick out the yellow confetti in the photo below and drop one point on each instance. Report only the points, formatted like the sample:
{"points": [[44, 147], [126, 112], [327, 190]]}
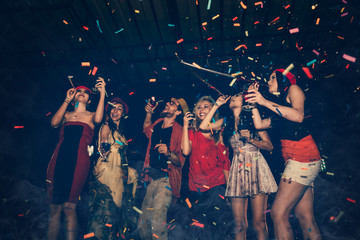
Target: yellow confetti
{"points": [[152, 80], [243, 5], [215, 17], [138, 210], [236, 24], [137, 11]]}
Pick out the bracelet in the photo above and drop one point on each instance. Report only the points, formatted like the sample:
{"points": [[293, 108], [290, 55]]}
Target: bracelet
{"points": [[68, 102], [216, 104]]}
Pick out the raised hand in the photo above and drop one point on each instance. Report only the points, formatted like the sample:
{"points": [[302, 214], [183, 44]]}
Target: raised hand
{"points": [[149, 108], [70, 94], [188, 117], [100, 85], [222, 100]]}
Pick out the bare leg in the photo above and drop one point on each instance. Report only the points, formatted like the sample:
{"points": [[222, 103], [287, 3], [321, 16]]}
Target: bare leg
{"points": [[286, 198], [54, 221], [258, 207], [305, 214], [239, 208], [71, 220]]}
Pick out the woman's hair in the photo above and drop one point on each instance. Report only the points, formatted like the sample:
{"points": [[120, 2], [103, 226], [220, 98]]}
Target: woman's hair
{"points": [[113, 127], [196, 123], [244, 123]]}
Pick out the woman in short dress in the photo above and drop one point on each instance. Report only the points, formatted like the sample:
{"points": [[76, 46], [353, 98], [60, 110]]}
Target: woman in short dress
{"points": [[250, 178]]}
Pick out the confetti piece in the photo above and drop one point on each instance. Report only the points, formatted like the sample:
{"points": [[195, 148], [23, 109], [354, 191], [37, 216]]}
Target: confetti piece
{"points": [[129, 140], [152, 80], [98, 25], [65, 22], [259, 3], [236, 24], [108, 225], [259, 44], [168, 188], [243, 5], [311, 62], [294, 30], [344, 14], [17, 127], [288, 69], [250, 58], [89, 235], [171, 25], [257, 22], [232, 82], [85, 64], [209, 5], [204, 24], [209, 38], [246, 33], [235, 18], [131, 93], [351, 200], [94, 71], [122, 29], [180, 40], [332, 218], [317, 21], [307, 72], [339, 216], [316, 52], [221, 196], [274, 20], [137, 11], [164, 68], [201, 225], [155, 235], [86, 28], [150, 209], [248, 165], [287, 6], [240, 46], [48, 114], [137, 210], [349, 58], [278, 111], [215, 17], [206, 186], [330, 173], [276, 93]]}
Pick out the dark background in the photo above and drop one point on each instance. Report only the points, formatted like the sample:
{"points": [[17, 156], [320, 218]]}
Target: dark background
{"points": [[38, 51]]}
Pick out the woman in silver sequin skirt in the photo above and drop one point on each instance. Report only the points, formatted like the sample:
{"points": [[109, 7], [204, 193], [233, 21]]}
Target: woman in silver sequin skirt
{"points": [[250, 177]]}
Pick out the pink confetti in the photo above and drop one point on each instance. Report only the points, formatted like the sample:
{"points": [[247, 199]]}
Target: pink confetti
{"points": [[344, 14], [316, 52], [294, 30], [349, 58], [164, 68], [344, 1]]}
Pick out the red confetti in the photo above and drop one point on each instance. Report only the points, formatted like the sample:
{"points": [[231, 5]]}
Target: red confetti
{"points": [[129, 140], [287, 6], [209, 38], [86, 28], [351, 200], [94, 71], [235, 18], [179, 41], [307, 72], [131, 93], [221, 196], [17, 127], [89, 235], [48, 114]]}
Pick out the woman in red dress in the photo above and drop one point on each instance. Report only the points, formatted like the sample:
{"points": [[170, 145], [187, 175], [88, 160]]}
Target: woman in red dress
{"points": [[69, 166]]}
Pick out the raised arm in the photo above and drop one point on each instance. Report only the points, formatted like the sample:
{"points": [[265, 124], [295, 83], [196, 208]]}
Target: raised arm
{"points": [[149, 111], [296, 96], [185, 142], [100, 107], [58, 117], [206, 124]]}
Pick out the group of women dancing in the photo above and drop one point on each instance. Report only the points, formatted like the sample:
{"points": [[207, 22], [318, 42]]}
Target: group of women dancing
{"points": [[207, 140]]}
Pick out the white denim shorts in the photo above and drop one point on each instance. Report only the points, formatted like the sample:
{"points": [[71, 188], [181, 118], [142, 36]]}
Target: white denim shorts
{"points": [[303, 173]]}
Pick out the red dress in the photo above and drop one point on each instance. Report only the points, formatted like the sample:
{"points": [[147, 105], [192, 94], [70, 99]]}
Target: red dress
{"points": [[69, 166], [207, 162]]}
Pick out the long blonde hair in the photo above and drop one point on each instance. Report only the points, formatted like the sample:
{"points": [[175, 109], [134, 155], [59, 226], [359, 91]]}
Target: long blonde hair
{"points": [[196, 123]]}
